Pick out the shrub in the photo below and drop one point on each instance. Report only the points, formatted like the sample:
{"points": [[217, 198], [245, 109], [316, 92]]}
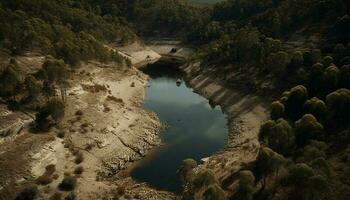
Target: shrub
{"points": [[277, 110], [297, 60], [61, 134], [277, 62], [296, 99], [317, 108], [186, 170], [339, 105], [28, 193], [79, 113], [317, 185], [278, 136], [9, 80], [267, 162], [306, 129], [246, 185], [32, 86], [46, 178], [316, 79], [68, 183], [321, 166], [79, 170], [331, 79], [345, 61], [311, 57], [54, 108], [79, 158], [299, 174], [204, 178], [214, 192], [344, 80], [327, 60]]}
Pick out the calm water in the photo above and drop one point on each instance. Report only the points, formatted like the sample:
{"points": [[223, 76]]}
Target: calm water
{"points": [[196, 130]]}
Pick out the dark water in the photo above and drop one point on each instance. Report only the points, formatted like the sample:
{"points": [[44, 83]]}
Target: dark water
{"points": [[196, 130]]}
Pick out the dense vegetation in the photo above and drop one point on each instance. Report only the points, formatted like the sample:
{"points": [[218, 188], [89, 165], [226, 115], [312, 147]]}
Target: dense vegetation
{"points": [[168, 18], [67, 33], [257, 38], [304, 153], [64, 29]]}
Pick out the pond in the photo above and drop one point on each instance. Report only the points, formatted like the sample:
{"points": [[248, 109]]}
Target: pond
{"points": [[196, 130]]}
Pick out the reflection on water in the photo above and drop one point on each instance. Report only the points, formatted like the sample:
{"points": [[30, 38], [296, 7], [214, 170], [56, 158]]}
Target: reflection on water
{"points": [[196, 130]]}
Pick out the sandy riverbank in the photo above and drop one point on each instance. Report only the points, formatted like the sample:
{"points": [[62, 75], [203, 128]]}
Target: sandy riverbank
{"points": [[245, 114]]}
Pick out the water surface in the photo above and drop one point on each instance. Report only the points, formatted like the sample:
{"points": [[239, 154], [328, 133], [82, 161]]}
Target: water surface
{"points": [[196, 130]]}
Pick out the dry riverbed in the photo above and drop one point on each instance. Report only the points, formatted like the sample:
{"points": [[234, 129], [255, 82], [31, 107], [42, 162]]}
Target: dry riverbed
{"points": [[106, 129]]}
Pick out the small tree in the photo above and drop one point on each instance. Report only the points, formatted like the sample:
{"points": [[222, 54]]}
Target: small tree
{"points": [[246, 185], [339, 105], [299, 175], [267, 163], [186, 170], [278, 136], [28, 193], [327, 61], [316, 187], [316, 79], [306, 129], [54, 108], [68, 183], [317, 108], [296, 99], [344, 80], [214, 192], [331, 79], [32, 86], [9, 80], [277, 110], [204, 178]]}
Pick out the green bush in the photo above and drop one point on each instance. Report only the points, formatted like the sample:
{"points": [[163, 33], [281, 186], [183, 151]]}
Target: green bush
{"points": [[306, 129]]}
